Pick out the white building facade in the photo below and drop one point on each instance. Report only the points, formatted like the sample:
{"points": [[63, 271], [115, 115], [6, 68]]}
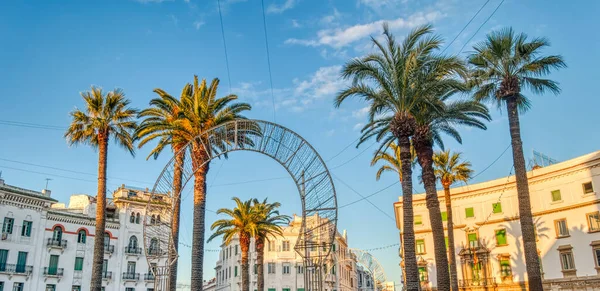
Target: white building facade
{"points": [[489, 248], [283, 267], [47, 246]]}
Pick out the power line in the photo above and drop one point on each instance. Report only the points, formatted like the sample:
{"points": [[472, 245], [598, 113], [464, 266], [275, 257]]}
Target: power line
{"points": [[492, 162], [353, 158], [489, 17], [368, 196], [224, 45], [349, 187], [31, 125], [268, 56], [345, 148], [464, 27]]}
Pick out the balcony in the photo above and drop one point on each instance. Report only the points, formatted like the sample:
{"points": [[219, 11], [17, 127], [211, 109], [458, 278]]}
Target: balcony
{"points": [[12, 269], [57, 243], [53, 272], [153, 252], [330, 278], [107, 275], [477, 282], [131, 276], [133, 251], [148, 277], [109, 249]]}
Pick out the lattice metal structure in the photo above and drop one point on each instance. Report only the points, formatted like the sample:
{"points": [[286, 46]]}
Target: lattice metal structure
{"points": [[296, 155], [370, 263]]}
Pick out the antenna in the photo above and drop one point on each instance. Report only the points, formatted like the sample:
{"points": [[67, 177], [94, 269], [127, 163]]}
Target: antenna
{"points": [[47, 180]]}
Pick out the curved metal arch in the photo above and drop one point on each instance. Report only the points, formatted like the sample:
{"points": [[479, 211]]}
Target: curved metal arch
{"points": [[295, 154], [368, 261]]}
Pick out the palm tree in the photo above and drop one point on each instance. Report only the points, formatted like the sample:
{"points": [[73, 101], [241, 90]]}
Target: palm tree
{"points": [[397, 83], [161, 123], [200, 111], [269, 226], [502, 64], [242, 223], [391, 160], [105, 117], [449, 169], [440, 76]]}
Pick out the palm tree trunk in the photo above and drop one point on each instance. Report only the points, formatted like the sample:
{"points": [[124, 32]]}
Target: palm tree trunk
{"points": [[96, 281], [410, 258], [425, 156], [260, 256], [200, 162], [177, 176], [451, 249], [525, 216], [245, 246]]}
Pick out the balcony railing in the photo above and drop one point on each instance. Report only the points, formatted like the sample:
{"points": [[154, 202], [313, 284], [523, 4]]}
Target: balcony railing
{"points": [[153, 251], [133, 250], [477, 282], [148, 277], [16, 269], [109, 249], [131, 276], [57, 243], [53, 272], [107, 275]]}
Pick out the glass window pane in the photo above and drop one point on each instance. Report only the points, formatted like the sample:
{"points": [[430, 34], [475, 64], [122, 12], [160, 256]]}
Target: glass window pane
{"points": [[469, 212], [418, 219], [501, 237], [444, 216], [497, 207], [556, 195]]}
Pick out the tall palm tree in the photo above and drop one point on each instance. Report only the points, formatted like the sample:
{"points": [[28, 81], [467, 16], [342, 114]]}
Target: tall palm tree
{"points": [[391, 160], [449, 169], [441, 76], [269, 226], [242, 223], [390, 81], [160, 122], [106, 116], [502, 64], [201, 111]]}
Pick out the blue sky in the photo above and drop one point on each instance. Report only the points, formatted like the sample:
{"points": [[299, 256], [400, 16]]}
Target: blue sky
{"points": [[51, 51]]}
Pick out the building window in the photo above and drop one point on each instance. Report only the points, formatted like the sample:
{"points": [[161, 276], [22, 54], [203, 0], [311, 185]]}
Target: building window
{"points": [[501, 237], [596, 249], [78, 264], [593, 221], [81, 236], [556, 195], [7, 227], [129, 289], [236, 250], [271, 246], [57, 233], [446, 241], [271, 268], [567, 262], [587, 188], [418, 219], [505, 268], [420, 244], [77, 288], [26, 230], [285, 246], [17, 286], [130, 267], [423, 276], [153, 219], [300, 269], [497, 207], [132, 218], [469, 212], [286, 268], [444, 216], [472, 238], [50, 287], [137, 218], [561, 228], [235, 271]]}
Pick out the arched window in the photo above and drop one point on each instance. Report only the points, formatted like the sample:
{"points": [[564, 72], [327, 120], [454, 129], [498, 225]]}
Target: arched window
{"points": [[137, 218], [153, 248], [57, 234], [153, 219], [132, 218], [106, 239], [158, 218], [133, 242], [81, 236]]}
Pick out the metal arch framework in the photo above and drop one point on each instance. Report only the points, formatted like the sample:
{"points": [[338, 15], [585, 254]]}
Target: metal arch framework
{"points": [[368, 261], [296, 155]]}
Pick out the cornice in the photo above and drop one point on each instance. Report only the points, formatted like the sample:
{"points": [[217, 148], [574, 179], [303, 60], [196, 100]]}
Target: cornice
{"points": [[24, 201], [79, 219]]}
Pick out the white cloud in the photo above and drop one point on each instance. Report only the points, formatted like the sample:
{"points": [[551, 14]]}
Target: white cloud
{"points": [[341, 37], [361, 113], [274, 8], [325, 82], [358, 126], [330, 132], [151, 1], [296, 24], [186, 1], [198, 24], [331, 18]]}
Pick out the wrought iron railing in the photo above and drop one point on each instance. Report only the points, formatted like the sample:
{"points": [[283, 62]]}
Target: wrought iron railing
{"points": [[56, 272], [107, 275], [131, 276], [16, 269], [60, 243], [477, 282], [133, 250], [148, 277], [109, 249], [153, 251]]}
